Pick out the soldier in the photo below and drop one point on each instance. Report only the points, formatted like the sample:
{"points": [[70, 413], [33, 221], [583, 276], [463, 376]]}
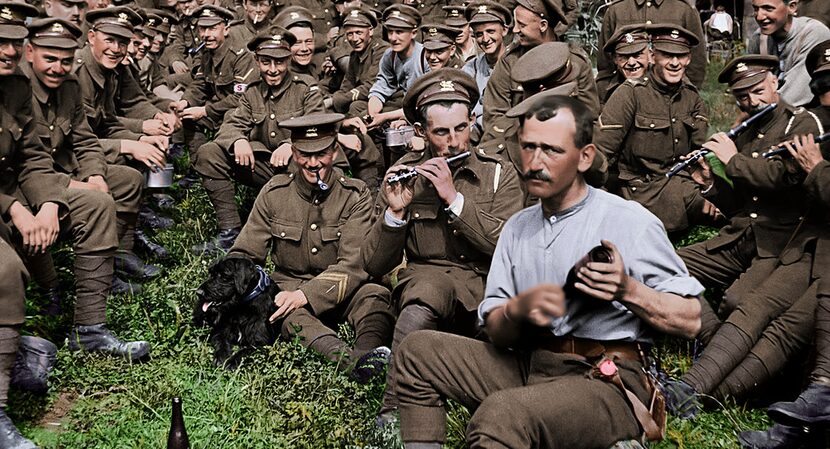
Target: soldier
{"points": [[245, 146], [677, 12], [816, 9], [258, 16], [397, 65], [770, 317], [367, 49], [447, 219], [789, 38], [38, 203], [223, 76], [648, 123], [490, 23], [186, 47], [71, 10], [439, 49], [534, 22], [156, 66], [465, 45], [314, 237], [630, 46], [802, 420], [300, 22]]}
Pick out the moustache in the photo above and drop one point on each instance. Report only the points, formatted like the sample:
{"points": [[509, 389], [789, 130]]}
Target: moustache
{"points": [[541, 175]]}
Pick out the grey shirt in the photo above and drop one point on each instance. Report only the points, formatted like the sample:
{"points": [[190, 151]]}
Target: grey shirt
{"points": [[481, 70], [804, 34], [533, 249], [395, 73]]}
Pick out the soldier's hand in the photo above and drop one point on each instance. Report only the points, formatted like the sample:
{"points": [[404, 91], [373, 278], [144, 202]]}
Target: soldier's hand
{"points": [[194, 113], [154, 127], [179, 67], [178, 106], [437, 171], [537, 305], [160, 142], [243, 154], [723, 147], [26, 224], [710, 209], [288, 302], [397, 195], [374, 106], [701, 172], [355, 123], [606, 281], [49, 224], [805, 151], [148, 154], [350, 141], [169, 121], [281, 156]]}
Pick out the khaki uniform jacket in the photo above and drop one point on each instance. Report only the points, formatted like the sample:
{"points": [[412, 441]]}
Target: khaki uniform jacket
{"points": [[817, 9], [100, 89], [220, 81], [261, 109], [25, 165], [502, 93], [62, 126], [362, 72], [314, 239], [431, 239], [626, 12], [242, 31], [186, 38], [766, 196]]}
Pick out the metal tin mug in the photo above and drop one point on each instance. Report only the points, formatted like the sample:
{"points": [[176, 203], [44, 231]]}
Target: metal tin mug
{"points": [[161, 178], [398, 139]]}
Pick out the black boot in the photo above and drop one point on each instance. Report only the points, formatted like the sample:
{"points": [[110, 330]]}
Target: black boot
{"points": [[36, 358], [222, 242], [163, 201], [131, 266], [778, 436], [148, 247], [811, 407], [97, 338], [149, 218], [122, 287], [189, 180], [10, 437], [54, 303], [371, 364]]}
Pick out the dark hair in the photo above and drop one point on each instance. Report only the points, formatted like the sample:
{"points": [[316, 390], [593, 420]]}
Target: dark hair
{"points": [[820, 85], [547, 108], [446, 104]]}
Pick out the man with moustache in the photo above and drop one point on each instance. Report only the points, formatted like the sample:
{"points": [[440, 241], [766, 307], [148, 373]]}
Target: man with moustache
{"points": [[490, 23], [631, 48], [648, 123], [364, 61], [222, 78], [780, 33], [71, 10], [246, 147], [313, 236], [533, 24], [564, 363], [446, 220], [397, 65]]}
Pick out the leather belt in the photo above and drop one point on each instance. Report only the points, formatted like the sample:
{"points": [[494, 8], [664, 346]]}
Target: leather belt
{"points": [[626, 350]]}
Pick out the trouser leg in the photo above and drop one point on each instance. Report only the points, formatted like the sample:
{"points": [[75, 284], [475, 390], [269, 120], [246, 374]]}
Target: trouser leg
{"points": [[312, 333], [126, 186], [370, 314], [822, 368], [41, 266], [9, 340], [13, 279]]}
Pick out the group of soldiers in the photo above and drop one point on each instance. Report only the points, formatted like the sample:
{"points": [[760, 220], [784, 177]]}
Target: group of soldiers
{"points": [[295, 100]]}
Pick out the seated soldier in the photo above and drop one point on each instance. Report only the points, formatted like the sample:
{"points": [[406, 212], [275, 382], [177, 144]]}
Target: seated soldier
{"points": [[631, 47], [564, 365], [648, 123], [258, 15], [300, 22], [70, 10], [445, 221], [759, 257], [314, 234], [465, 45], [439, 49]]}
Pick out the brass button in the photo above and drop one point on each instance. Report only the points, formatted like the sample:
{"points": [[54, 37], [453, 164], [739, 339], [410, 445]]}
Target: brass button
{"points": [[648, 3], [54, 150], [633, 189], [501, 145], [316, 201], [753, 215], [338, 233], [51, 127], [674, 120], [342, 179], [282, 234], [455, 232], [651, 125], [754, 198], [760, 136], [3, 158], [273, 134], [648, 22], [755, 155], [462, 257], [313, 226], [417, 215], [676, 140], [313, 250], [273, 116]]}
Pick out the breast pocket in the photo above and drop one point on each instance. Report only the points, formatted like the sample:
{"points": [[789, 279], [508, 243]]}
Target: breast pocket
{"points": [[288, 251], [10, 131], [651, 134], [428, 236], [330, 247]]}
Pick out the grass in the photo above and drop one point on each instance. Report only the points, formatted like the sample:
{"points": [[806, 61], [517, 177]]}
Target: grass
{"points": [[282, 397]]}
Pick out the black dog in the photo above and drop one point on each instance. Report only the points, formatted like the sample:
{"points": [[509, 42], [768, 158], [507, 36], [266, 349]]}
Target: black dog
{"points": [[236, 302]]}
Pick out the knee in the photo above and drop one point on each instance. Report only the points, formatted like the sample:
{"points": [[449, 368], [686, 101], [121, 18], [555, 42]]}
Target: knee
{"points": [[499, 414], [206, 156], [101, 204], [416, 347]]}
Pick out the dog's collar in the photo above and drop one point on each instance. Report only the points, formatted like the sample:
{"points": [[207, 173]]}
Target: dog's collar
{"points": [[262, 284]]}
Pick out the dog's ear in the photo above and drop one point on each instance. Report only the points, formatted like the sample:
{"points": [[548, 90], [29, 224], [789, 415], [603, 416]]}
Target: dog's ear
{"points": [[245, 275]]}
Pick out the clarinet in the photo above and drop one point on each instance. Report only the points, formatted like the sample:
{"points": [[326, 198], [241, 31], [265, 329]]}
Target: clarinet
{"points": [[783, 150], [732, 134], [411, 173]]}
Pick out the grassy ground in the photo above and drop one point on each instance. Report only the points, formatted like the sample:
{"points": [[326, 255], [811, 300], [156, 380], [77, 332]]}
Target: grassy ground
{"points": [[283, 397]]}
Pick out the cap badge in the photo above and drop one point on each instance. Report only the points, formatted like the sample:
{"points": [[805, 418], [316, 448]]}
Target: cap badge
{"points": [[447, 86], [207, 13], [629, 38], [57, 28], [294, 15], [482, 9], [123, 18], [433, 31], [827, 55], [354, 13], [311, 132], [454, 13], [675, 34], [151, 22], [277, 38], [395, 14], [741, 67], [165, 20], [6, 14]]}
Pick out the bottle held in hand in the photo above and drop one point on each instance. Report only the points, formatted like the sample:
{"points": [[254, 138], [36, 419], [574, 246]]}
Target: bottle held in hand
{"points": [[599, 254], [177, 439]]}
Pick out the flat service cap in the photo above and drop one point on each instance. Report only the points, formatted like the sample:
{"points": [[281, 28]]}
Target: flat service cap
{"points": [[437, 36], [54, 33], [487, 12], [671, 38], [118, 21], [543, 66], [818, 59], [748, 70], [567, 90], [455, 16], [628, 40], [550, 10], [210, 15], [401, 16], [274, 42], [294, 15], [444, 84], [313, 133], [359, 17]]}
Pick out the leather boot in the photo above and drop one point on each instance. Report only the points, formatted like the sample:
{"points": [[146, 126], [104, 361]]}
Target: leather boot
{"points": [[163, 201], [150, 219], [189, 180], [10, 437], [371, 364], [222, 242], [122, 287], [811, 407], [97, 338], [131, 266], [148, 247], [778, 436], [36, 358], [54, 303]]}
